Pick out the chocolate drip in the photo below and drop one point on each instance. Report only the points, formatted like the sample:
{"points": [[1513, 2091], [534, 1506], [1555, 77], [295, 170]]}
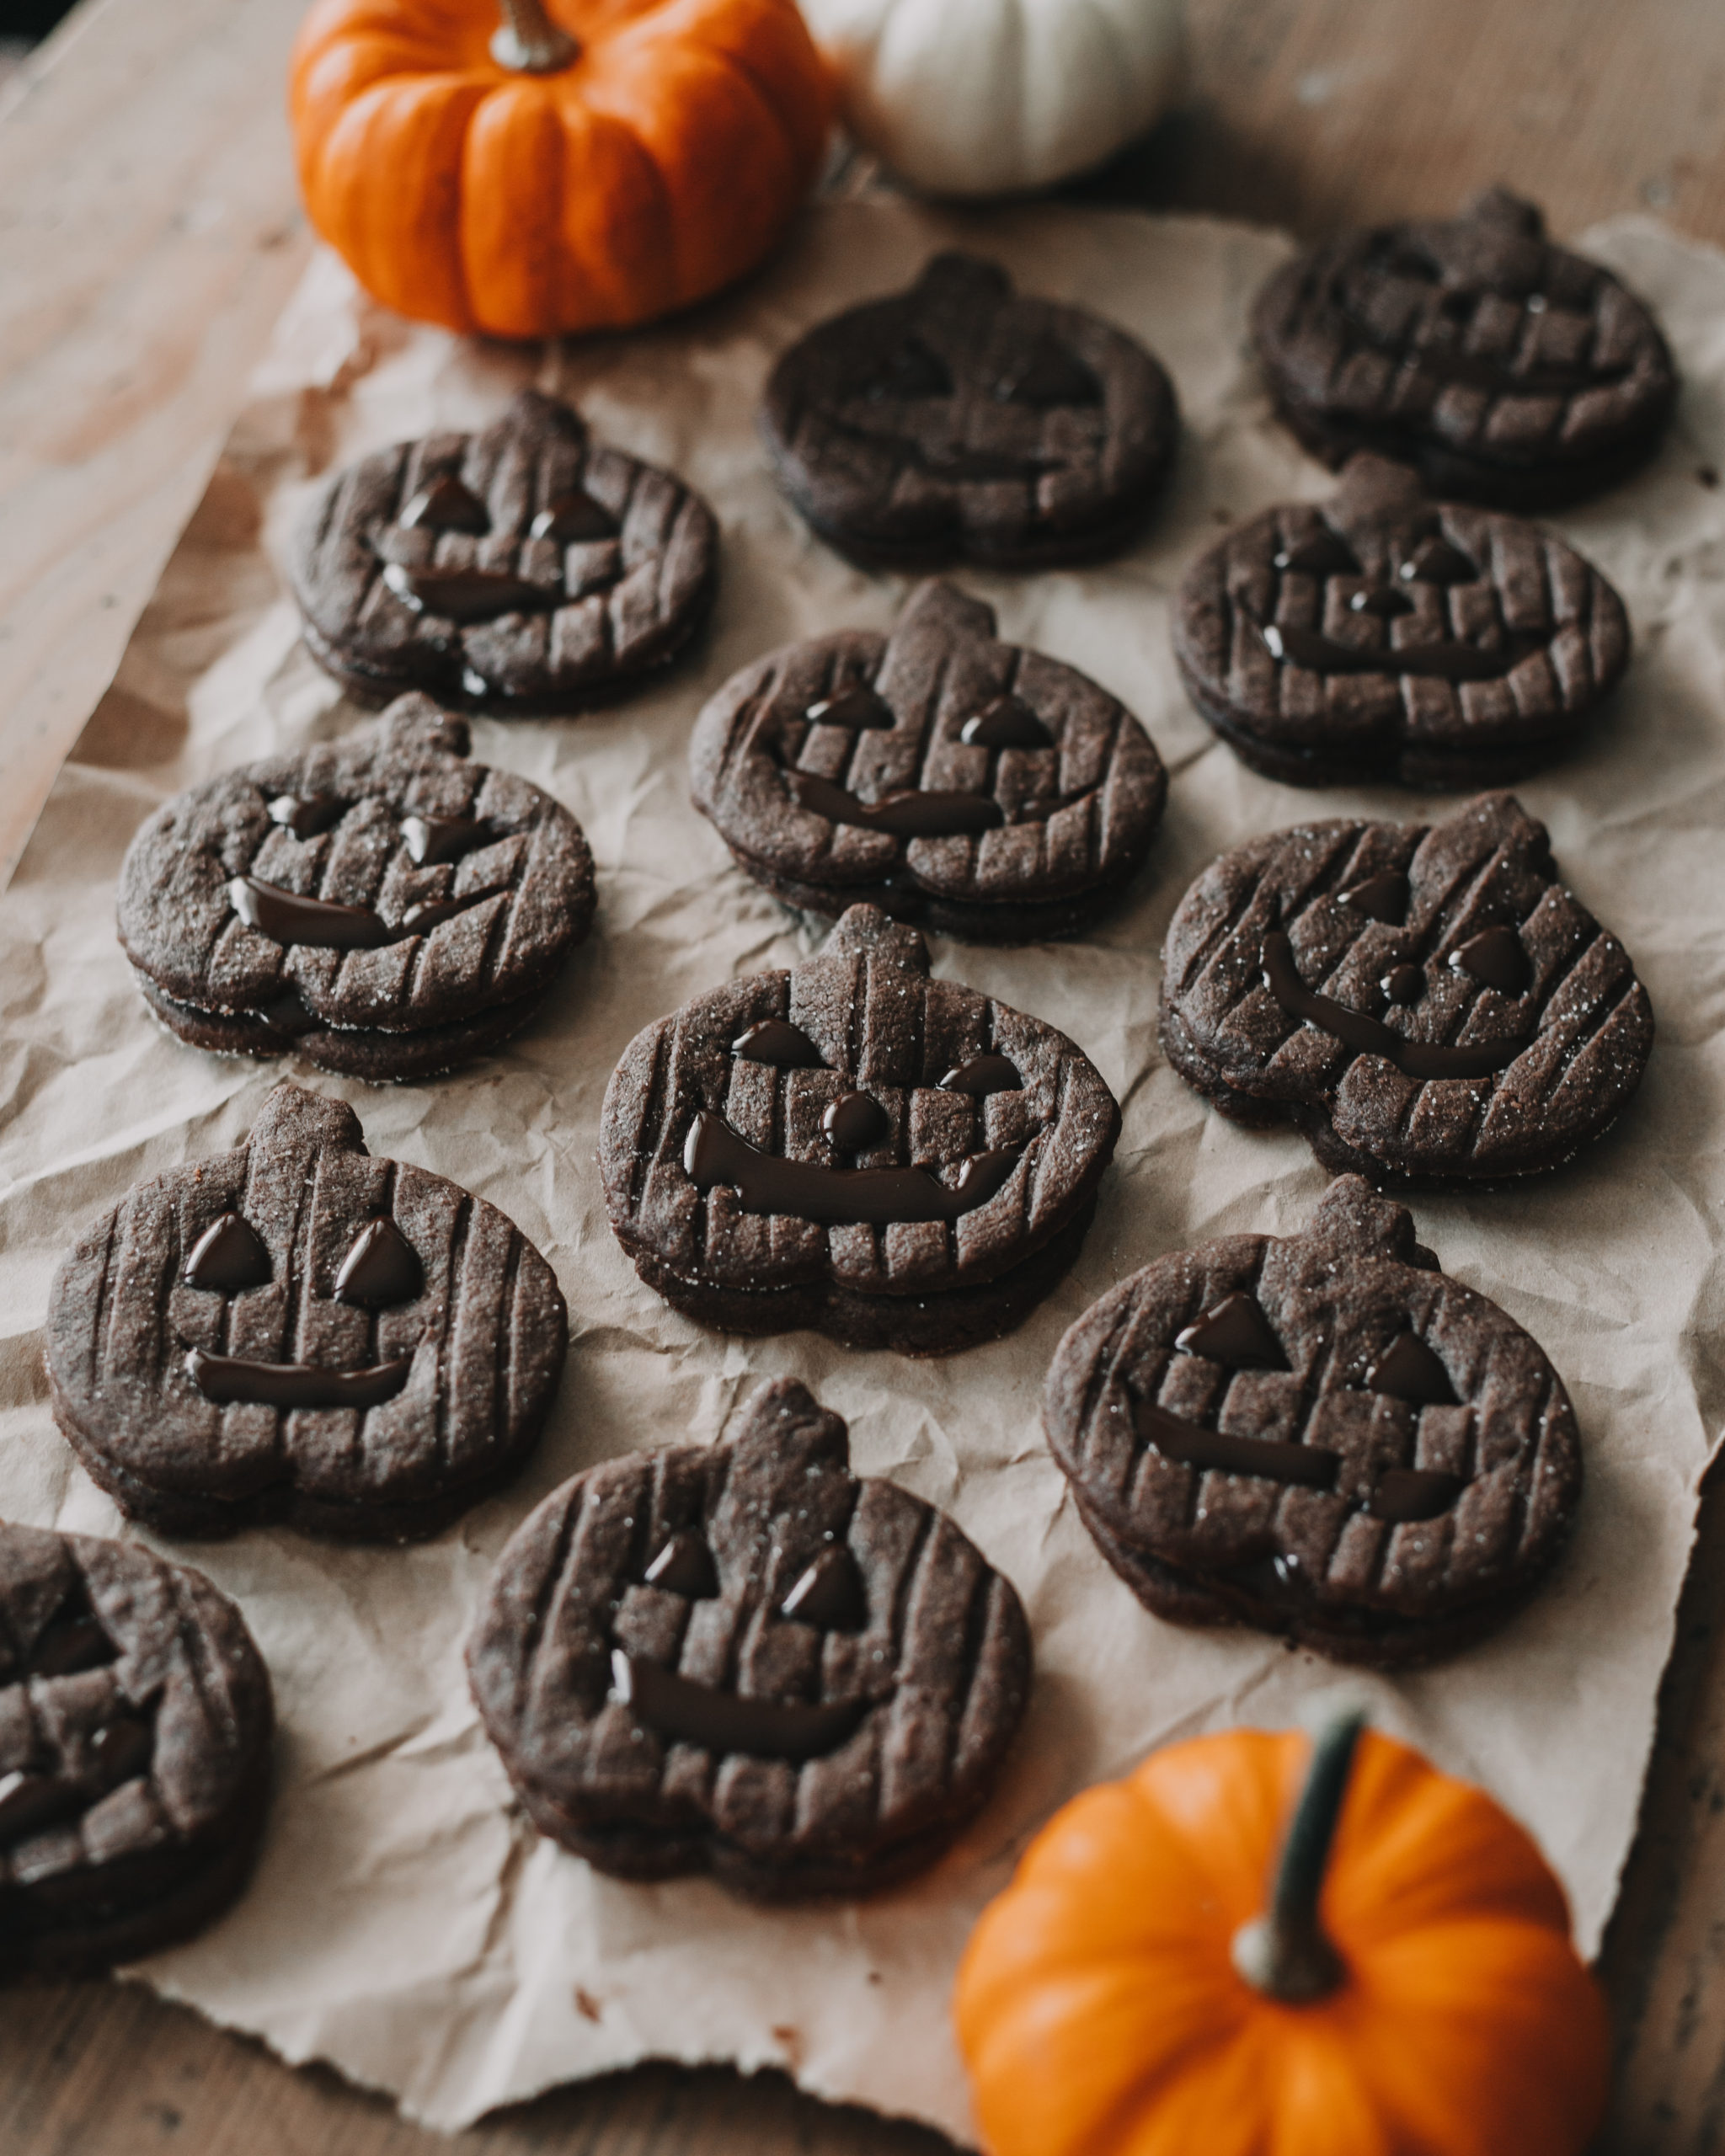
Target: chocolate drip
{"points": [[306, 814], [424, 915], [1445, 660], [287, 918], [1405, 1494], [1365, 1036], [118, 1750], [912, 371], [857, 708], [447, 505], [855, 1122], [1403, 985], [1006, 722], [1435, 561], [1273, 1458], [1476, 371], [1045, 375], [685, 1566], [904, 815], [778, 1042], [229, 1256], [1384, 605], [1322, 554], [981, 1075], [1381, 898], [1496, 959], [229, 1380], [1237, 1334], [383, 1268], [830, 1594], [765, 1182], [1409, 1371], [573, 518], [28, 1802], [686, 1713], [429, 839], [469, 594]]}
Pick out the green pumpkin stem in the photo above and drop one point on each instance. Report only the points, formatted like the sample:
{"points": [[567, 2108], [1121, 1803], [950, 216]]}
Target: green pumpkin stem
{"points": [[528, 42], [1285, 1953]]}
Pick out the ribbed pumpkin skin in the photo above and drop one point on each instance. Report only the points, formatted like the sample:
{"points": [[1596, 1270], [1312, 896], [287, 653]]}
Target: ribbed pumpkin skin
{"points": [[661, 164], [1100, 2013]]}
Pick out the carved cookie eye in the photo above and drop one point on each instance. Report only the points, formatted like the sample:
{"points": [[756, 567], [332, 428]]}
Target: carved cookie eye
{"points": [[446, 505], [1435, 561], [855, 1122], [306, 814], [829, 1593], [1496, 958], [382, 1268], [913, 370], [1408, 1370], [73, 1639], [685, 1566], [429, 839], [573, 518], [1381, 898], [856, 708], [1006, 722], [778, 1042], [1045, 376], [1237, 1334], [981, 1075], [1323, 554], [229, 1256], [1403, 985], [1386, 606]]}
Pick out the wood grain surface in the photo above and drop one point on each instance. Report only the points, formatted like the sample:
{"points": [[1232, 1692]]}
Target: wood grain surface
{"points": [[148, 234]]}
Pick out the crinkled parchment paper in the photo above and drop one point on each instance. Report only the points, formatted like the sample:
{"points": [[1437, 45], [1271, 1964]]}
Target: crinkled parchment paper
{"points": [[404, 1924]]}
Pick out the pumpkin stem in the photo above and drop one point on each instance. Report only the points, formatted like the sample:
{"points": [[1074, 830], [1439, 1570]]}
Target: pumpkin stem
{"points": [[528, 42], [1285, 1953]]}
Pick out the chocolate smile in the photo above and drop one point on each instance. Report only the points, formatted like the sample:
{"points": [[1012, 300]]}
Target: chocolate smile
{"points": [[229, 1380], [1401, 1495], [766, 1182], [1422, 1060], [1443, 660], [684, 1712], [321, 924]]}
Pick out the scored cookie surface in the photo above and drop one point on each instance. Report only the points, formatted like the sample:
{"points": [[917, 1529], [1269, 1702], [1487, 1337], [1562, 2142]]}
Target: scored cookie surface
{"points": [[895, 1161], [134, 1728], [1427, 1004], [295, 1331], [961, 421], [939, 773], [743, 1659], [523, 569], [1319, 1435], [1507, 370], [1382, 635], [379, 904]]}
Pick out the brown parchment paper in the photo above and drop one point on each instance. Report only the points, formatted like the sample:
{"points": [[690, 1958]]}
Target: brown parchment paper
{"points": [[404, 1924]]}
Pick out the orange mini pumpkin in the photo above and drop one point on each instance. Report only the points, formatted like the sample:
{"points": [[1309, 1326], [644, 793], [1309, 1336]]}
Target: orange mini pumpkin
{"points": [[1125, 1997], [537, 176]]}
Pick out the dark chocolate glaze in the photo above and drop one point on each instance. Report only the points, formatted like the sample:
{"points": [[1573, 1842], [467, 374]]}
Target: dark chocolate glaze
{"points": [[440, 838], [904, 815], [1444, 660], [830, 1594], [1385, 603], [1006, 722], [1046, 375], [1496, 958], [286, 1014], [1403, 985], [1408, 1370], [1435, 561], [574, 517], [447, 505], [28, 1802], [1324, 553], [306, 814], [425, 914], [683, 1712], [855, 1122], [319, 923], [469, 594], [1273, 1458], [981, 1075], [1237, 1334], [383, 1268], [1381, 898], [765, 1182], [228, 1256], [685, 1566], [777, 1041], [230, 1379], [118, 1750], [71, 1644], [1365, 1036], [1404, 1494], [857, 707], [914, 370]]}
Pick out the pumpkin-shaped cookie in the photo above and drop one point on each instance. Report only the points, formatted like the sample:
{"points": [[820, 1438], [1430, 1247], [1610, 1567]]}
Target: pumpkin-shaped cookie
{"points": [[938, 773], [295, 1331], [743, 1659], [524, 568], [896, 1160], [959, 421], [1319, 1435], [1427, 1003], [1381, 635], [135, 1725]]}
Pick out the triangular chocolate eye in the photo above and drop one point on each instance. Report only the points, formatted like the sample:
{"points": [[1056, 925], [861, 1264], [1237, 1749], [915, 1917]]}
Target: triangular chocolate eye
{"points": [[1237, 1334], [446, 505], [1435, 561], [228, 1256], [306, 814], [1496, 958], [73, 1639], [981, 1075], [912, 371], [856, 707], [382, 1268], [572, 517], [830, 1594], [1408, 1370], [1046, 375], [778, 1042], [439, 838], [1006, 722], [118, 1750], [1383, 605], [1321, 553], [1381, 898], [685, 1566]]}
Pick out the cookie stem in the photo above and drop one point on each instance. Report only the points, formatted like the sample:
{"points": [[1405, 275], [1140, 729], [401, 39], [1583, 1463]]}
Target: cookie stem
{"points": [[1285, 1953], [529, 43]]}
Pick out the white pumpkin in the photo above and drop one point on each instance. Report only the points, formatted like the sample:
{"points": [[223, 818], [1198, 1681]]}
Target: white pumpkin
{"points": [[994, 96]]}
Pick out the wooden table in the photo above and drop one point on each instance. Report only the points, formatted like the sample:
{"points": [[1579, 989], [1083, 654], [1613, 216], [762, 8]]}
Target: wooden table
{"points": [[149, 234]]}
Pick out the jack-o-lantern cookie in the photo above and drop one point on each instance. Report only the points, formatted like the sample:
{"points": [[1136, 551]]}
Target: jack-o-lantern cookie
{"points": [[897, 1161], [378, 905], [296, 1331], [1427, 1003], [959, 421], [1319, 1435], [743, 1659], [135, 1726], [1380, 635], [1507, 370], [938, 773], [525, 568]]}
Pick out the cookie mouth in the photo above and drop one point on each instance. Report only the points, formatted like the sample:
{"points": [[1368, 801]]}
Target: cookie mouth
{"points": [[235, 1380], [1368, 1036], [321, 924], [1399, 1495], [683, 1712], [1443, 660], [766, 1183]]}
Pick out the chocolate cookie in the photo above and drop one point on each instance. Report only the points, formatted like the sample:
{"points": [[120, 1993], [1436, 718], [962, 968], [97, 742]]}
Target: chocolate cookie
{"points": [[1320, 1436], [527, 568], [742, 1659], [296, 1331], [938, 773], [959, 422], [1427, 1004], [379, 904], [135, 1725], [897, 1161], [1507, 370], [1381, 636]]}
